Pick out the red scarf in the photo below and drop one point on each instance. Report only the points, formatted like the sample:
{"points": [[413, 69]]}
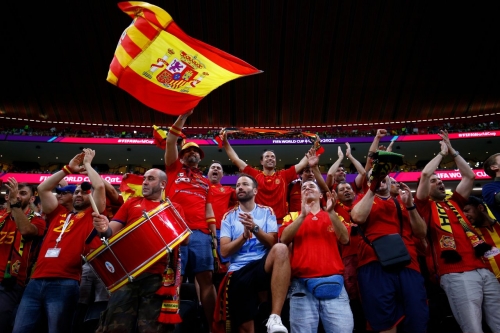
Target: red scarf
{"points": [[447, 246], [170, 290], [314, 138], [17, 248], [222, 322]]}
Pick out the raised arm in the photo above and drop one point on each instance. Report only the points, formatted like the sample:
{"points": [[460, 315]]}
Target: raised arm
{"points": [[464, 188], [361, 210], [313, 161], [111, 193], [418, 226], [330, 176], [240, 164], [99, 194], [360, 178], [171, 153], [49, 200], [22, 221], [424, 186], [374, 147]]}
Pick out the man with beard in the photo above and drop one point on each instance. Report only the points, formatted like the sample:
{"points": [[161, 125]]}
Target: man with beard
{"points": [[19, 225], [248, 237], [336, 173], [487, 227], [223, 198], [135, 307], [294, 189], [272, 184], [54, 286], [390, 297], [189, 188], [457, 249]]}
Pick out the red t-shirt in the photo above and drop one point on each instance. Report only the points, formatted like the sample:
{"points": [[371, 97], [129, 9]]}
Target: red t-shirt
{"points": [[463, 245], [383, 220], [295, 197], [272, 190], [10, 240], [352, 247], [131, 211], [189, 188], [223, 199], [68, 264], [314, 251]]}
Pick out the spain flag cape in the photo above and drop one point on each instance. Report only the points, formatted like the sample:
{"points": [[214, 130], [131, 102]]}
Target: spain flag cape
{"points": [[165, 69]]}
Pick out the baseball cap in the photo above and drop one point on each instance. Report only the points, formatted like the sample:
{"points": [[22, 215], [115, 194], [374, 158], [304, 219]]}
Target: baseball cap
{"points": [[189, 145], [67, 188]]}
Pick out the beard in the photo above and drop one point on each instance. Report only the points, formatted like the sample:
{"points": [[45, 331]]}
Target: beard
{"points": [[247, 197], [81, 205]]}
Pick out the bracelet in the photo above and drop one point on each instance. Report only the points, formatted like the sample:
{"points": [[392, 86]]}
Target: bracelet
{"points": [[442, 154], [107, 234], [67, 170], [412, 207], [175, 131], [456, 154]]}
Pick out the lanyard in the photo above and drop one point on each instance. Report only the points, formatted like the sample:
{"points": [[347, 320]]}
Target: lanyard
{"points": [[66, 223]]}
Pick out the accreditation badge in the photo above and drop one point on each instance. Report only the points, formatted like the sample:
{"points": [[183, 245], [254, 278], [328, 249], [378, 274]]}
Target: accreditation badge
{"points": [[53, 253]]}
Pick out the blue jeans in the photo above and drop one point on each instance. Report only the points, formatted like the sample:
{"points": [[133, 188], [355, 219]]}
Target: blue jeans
{"points": [[55, 298], [306, 310]]}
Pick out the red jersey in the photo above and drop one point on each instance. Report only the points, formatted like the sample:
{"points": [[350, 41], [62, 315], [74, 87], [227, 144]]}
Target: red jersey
{"points": [[223, 199], [272, 190], [187, 187], [491, 236], [352, 247], [295, 196], [383, 220], [15, 248], [314, 251], [68, 263], [463, 245], [131, 211]]}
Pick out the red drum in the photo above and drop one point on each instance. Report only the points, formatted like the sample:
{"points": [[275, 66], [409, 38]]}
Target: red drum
{"points": [[136, 247]]}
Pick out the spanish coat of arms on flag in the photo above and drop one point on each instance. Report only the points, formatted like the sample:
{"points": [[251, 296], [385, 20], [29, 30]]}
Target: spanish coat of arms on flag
{"points": [[165, 69]]}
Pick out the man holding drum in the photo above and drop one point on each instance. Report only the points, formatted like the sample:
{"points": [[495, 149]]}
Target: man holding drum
{"points": [[135, 307], [189, 188]]}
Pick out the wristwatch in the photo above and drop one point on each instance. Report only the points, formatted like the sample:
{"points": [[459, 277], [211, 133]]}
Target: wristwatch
{"points": [[16, 205], [255, 229]]}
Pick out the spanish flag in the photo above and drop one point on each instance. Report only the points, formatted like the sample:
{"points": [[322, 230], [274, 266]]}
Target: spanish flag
{"points": [[131, 186], [161, 66]]}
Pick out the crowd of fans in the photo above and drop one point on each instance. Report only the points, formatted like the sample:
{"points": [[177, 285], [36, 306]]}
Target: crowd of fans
{"points": [[333, 132]]}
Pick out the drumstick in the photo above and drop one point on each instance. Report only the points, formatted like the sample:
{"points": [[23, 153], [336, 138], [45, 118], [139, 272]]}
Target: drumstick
{"points": [[86, 188]]}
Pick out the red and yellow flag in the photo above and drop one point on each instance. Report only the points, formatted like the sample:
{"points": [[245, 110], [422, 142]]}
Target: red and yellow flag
{"points": [[161, 66], [131, 186]]}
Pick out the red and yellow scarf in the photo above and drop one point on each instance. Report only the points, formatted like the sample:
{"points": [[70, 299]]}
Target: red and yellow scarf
{"points": [[447, 246]]}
